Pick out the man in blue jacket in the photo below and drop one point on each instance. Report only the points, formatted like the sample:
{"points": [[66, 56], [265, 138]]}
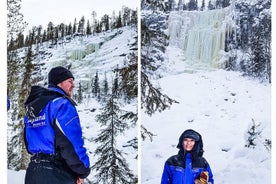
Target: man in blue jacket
{"points": [[188, 166], [53, 134]]}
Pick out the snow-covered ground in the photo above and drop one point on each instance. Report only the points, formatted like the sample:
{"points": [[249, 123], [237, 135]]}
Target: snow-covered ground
{"points": [[222, 106]]}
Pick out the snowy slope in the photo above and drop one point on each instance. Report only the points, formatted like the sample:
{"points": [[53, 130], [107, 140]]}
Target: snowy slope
{"points": [[110, 49], [222, 106]]}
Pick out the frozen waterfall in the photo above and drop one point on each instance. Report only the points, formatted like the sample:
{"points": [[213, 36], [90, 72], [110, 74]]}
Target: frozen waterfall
{"points": [[79, 54], [200, 34]]}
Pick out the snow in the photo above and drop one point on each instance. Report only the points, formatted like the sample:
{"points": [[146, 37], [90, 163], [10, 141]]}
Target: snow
{"points": [[16, 177], [219, 104]]}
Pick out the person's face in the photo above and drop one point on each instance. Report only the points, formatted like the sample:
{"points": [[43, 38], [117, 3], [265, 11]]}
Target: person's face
{"points": [[67, 86], [188, 144]]}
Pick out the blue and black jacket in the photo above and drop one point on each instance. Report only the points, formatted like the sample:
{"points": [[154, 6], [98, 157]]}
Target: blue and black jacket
{"points": [[185, 167], [52, 126]]}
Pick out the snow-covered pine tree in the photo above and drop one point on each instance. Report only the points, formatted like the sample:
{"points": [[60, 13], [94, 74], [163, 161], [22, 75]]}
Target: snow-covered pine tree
{"points": [[75, 26], [153, 47], [253, 134], [88, 28], [93, 22], [192, 5], [25, 87], [95, 85], [154, 43], [261, 42], [115, 85], [252, 40], [129, 88], [105, 89], [105, 22], [15, 23], [15, 27], [81, 26], [129, 77], [119, 21], [171, 5], [202, 5], [180, 5], [79, 93], [111, 167]]}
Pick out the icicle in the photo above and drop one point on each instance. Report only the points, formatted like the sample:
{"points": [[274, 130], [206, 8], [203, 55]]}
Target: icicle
{"points": [[91, 48], [77, 55], [200, 34]]}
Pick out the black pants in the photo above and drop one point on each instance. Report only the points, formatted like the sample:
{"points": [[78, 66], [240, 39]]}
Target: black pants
{"points": [[48, 171]]}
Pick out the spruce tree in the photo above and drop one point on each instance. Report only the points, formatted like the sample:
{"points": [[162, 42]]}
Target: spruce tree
{"points": [[105, 89], [94, 22], [15, 26], [202, 5], [23, 94], [129, 76], [81, 25], [18, 157], [152, 98], [115, 86], [88, 28], [95, 85], [153, 46], [180, 5], [74, 26], [171, 5], [69, 30], [15, 22], [111, 167], [126, 16], [119, 23], [134, 17], [80, 95], [50, 31], [105, 22]]}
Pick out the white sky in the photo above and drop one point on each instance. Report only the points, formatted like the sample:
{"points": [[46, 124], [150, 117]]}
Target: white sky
{"points": [[40, 12]]}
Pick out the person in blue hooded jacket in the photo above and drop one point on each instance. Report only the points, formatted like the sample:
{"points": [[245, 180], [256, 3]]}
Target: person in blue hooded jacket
{"points": [[53, 134], [188, 166]]}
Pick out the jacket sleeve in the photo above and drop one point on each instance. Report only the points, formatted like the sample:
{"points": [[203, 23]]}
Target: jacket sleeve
{"points": [[69, 138], [166, 176], [211, 179]]}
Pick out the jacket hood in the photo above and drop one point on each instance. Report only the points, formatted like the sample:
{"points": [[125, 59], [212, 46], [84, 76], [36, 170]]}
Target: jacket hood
{"points": [[38, 99], [197, 150]]}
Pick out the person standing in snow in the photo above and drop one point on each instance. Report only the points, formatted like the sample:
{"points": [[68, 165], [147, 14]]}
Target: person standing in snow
{"points": [[188, 166], [53, 134]]}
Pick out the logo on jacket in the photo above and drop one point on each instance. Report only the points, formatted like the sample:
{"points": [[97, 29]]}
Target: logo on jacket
{"points": [[37, 122]]}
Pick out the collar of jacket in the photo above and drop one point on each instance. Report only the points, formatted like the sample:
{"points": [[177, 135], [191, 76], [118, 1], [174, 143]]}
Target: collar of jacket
{"points": [[56, 89], [62, 92]]}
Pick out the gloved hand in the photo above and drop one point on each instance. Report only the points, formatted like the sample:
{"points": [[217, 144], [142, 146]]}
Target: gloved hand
{"points": [[203, 178]]}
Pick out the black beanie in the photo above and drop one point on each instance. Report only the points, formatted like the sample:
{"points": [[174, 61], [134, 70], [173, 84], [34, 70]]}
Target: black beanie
{"points": [[59, 74]]}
